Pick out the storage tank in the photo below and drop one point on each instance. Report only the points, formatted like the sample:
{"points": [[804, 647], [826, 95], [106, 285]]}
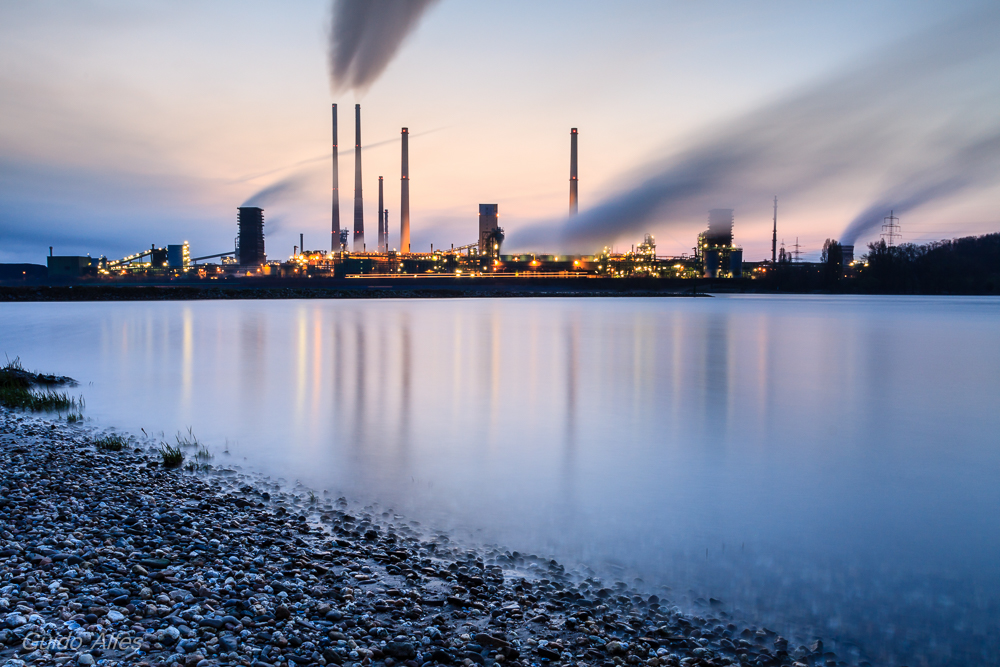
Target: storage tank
{"points": [[178, 256], [712, 260], [736, 262]]}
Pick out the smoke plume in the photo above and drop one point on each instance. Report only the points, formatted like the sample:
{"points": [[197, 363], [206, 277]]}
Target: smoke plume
{"points": [[970, 167], [913, 124], [347, 151], [365, 35], [279, 191]]}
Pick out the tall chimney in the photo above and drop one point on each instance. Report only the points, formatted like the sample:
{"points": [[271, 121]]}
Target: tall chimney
{"points": [[573, 206], [385, 216], [404, 197], [774, 234], [302, 243], [335, 212], [359, 210], [381, 219]]}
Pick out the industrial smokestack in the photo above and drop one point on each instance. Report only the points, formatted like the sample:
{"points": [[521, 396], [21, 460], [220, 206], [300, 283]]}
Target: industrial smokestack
{"points": [[573, 206], [404, 197], [335, 211], [302, 243], [381, 218], [359, 210], [385, 216], [774, 234]]}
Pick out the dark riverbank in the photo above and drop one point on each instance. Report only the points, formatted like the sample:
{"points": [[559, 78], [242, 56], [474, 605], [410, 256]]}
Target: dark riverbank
{"points": [[195, 569], [350, 289]]}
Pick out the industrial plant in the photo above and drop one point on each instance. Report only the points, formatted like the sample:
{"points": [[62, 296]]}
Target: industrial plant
{"points": [[715, 254]]}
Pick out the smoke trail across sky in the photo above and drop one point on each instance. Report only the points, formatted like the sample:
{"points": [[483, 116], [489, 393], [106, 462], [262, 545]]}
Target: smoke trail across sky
{"points": [[345, 151], [905, 127], [278, 191], [970, 167], [365, 36], [296, 185]]}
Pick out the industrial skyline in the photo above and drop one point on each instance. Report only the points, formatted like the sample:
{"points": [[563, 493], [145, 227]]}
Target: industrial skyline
{"points": [[173, 165]]}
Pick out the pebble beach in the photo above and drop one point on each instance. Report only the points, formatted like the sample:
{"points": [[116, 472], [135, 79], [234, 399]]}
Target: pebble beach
{"points": [[109, 558]]}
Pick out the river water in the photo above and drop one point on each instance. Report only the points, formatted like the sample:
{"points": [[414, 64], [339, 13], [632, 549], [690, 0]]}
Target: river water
{"points": [[822, 465]]}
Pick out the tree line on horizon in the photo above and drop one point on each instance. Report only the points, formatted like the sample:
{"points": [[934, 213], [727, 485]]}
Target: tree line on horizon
{"points": [[968, 265]]}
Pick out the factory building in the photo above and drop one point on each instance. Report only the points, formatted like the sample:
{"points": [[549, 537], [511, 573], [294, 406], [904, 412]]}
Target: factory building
{"points": [[178, 256], [490, 234], [719, 257], [70, 266], [720, 228], [847, 255], [250, 238]]}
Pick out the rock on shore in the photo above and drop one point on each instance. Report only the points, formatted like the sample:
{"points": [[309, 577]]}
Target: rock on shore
{"points": [[107, 558]]}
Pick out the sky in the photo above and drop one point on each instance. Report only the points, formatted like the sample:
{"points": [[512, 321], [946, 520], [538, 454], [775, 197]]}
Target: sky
{"points": [[130, 123]]}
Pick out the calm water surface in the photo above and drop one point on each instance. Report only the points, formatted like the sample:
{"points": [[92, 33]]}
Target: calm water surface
{"points": [[825, 465]]}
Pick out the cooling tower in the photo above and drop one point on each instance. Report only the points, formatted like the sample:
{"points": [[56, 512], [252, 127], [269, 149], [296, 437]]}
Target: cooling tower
{"points": [[720, 228], [250, 239]]}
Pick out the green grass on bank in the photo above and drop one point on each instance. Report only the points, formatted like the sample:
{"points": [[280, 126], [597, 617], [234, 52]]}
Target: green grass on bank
{"points": [[172, 457], [112, 442], [17, 390]]}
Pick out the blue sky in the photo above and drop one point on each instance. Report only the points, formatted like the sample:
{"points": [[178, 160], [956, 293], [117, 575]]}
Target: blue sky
{"points": [[124, 124]]}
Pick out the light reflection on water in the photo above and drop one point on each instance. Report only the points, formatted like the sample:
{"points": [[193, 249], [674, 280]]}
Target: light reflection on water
{"points": [[825, 461]]}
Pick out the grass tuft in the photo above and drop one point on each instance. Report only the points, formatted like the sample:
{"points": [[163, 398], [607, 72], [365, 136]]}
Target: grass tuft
{"points": [[111, 443], [172, 456], [188, 440]]}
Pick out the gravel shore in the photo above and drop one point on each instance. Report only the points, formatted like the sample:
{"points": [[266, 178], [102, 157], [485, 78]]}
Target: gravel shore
{"points": [[108, 558]]}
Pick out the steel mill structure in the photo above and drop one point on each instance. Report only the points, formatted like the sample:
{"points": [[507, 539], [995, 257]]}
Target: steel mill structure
{"points": [[719, 257], [715, 255]]}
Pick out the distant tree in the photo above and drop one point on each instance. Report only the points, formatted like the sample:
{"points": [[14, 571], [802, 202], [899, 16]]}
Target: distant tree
{"points": [[832, 260], [892, 268], [833, 253], [826, 248]]}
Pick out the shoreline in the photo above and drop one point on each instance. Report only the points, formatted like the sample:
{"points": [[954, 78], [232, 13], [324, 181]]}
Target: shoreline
{"points": [[362, 290], [172, 567]]}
